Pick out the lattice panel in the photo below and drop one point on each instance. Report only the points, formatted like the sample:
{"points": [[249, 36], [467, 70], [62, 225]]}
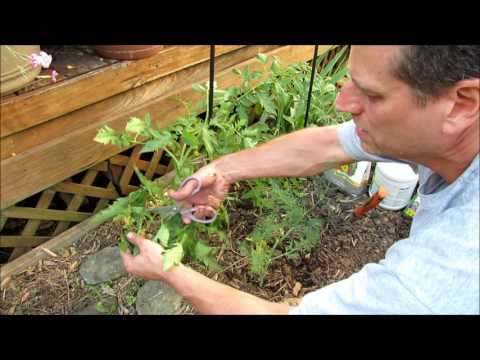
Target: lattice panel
{"points": [[330, 56], [32, 222]]}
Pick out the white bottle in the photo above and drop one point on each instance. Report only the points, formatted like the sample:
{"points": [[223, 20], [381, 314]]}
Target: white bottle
{"points": [[399, 179]]}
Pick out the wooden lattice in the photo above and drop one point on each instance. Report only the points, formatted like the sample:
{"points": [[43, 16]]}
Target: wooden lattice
{"points": [[329, 57], [74, 194]]}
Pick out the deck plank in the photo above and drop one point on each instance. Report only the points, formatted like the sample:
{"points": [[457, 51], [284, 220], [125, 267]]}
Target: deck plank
{"points": [[40, 105]]}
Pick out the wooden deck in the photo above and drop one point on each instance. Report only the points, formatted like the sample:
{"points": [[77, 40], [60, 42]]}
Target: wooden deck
{"points": [[47, 134]]}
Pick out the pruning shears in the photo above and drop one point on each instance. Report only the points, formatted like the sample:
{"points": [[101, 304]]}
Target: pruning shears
{"points": [[178, 208]]}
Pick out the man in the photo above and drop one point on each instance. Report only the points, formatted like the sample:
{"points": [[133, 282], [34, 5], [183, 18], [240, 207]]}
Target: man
{"points": [[413, 103]]}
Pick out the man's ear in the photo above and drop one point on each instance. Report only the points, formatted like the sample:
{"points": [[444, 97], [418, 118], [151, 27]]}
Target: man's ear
{"points": [[464, 107]]}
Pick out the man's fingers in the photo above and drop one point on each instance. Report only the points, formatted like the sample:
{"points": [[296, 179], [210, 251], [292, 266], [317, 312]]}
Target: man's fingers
{"points": [[209, 178], [127, 258], [204, 212], [135, 239], [186, 220], [213, 201], [184, 192]]}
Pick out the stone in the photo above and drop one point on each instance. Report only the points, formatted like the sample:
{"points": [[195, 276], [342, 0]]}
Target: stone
{"points": [[157, 298], [105, 265]]}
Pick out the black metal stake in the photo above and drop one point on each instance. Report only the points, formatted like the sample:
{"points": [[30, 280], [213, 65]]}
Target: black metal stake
{"points": [[314, 65], [210, 88]]}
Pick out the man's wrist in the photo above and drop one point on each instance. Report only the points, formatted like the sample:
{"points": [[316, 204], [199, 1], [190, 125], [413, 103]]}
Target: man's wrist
{"points": [[172, 275], [226, 167], [183, 279]]}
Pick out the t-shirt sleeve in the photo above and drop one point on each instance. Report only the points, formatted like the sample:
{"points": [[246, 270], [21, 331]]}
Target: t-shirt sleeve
{"points": [[352, 145], [372, 290], [433, 271]]}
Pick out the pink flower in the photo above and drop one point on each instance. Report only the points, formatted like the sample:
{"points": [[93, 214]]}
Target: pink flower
{"points": [[42, 58], [46, 59], [33, 60], [54, 76]]}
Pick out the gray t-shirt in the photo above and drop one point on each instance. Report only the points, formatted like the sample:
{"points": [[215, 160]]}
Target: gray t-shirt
{"points": [[433, 271]]}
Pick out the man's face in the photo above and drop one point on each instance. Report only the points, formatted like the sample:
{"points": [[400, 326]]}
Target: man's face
{"points": [[389, 120]]}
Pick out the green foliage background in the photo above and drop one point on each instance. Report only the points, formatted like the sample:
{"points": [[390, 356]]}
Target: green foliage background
{"points": [[243, 117]]}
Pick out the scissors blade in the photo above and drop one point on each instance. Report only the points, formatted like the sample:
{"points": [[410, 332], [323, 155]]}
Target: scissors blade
{"points": [[165, 210]]}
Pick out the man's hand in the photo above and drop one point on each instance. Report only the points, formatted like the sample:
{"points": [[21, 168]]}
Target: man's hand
{"points": [[207, 295], [149, 263], [214, 189]]}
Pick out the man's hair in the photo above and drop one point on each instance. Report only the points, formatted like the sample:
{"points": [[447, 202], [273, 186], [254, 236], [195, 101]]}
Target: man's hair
{"points": [[429, 70]]}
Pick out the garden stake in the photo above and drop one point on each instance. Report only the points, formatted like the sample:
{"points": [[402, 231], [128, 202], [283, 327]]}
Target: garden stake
{"points": [[211, 82], [372, 202], [311, 85]]}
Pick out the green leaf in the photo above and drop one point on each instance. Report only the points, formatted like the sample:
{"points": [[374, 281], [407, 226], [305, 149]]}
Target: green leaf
{"points": [[190, 139], [145, 182], [260, 258], [101, 308], [205, 254], [249, 142], [172, 257], [211, 263], [157, 143], [136, 250], [242, 112], [244, 248], [119, 207], [281, 95], [123, 243], [123, 140], [207, 141], [237, 72], [106, 135], [330, 88], [339, 57], [137, 126], [275, 68], [256, 75], [162, 235], [138, 211], [148, 120], [340, 74], [262, 58], [201, 250], [187, 237], [267, 103]]}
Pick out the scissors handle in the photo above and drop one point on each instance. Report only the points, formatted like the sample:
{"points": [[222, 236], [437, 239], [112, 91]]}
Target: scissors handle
{"points": [[190, 214], [194, 178]]}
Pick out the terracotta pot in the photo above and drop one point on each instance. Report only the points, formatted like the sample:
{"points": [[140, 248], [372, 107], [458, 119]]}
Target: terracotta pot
{"points": [[127, 52], [15, 71]]}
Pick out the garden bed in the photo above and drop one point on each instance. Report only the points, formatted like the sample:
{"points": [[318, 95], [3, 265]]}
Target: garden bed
{"points": [[54, 286]]}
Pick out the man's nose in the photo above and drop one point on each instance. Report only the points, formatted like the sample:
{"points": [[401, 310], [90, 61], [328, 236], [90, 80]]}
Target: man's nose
{"points": [[349, 99]]}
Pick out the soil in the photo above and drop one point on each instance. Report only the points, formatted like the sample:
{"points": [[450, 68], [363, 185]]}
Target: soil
{"points": [[346, 244]]}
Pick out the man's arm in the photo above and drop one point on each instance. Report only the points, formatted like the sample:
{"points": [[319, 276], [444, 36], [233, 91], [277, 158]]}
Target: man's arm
{"points": [[212, 297], [301, 153], [208, 296]]}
